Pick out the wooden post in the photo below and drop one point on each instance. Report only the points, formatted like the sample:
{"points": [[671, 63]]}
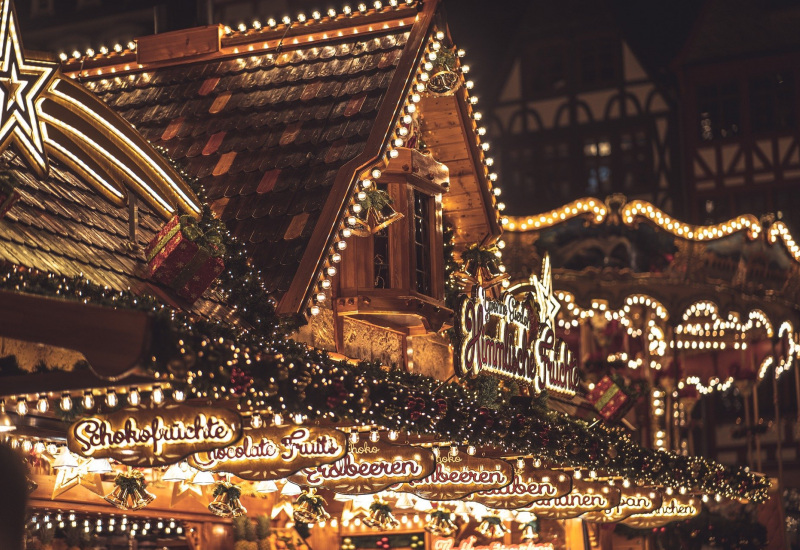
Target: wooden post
{"points": [[776, 404]]}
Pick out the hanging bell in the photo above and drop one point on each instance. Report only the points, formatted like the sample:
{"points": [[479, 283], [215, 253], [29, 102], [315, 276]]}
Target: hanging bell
{"points": [[32, 485], [141, 497], [119, 497], [224, 493], [380, 516], [236, 508], [530, 530], [310, 508], [376, 213], [491, 527], [440, 523]]}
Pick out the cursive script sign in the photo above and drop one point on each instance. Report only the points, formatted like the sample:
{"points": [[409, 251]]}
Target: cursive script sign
{"points": [[154, 436], [585, 497], [515, 339], [675, 508], [634, 500], [469, 544], [368, 468], [274, 453], [528, 486], [455, 480]]}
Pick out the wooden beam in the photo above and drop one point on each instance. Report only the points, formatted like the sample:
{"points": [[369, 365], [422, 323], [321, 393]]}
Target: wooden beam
{"points": [[113, 341]]}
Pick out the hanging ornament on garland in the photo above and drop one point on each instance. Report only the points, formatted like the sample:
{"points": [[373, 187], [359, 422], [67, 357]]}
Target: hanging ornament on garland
{"points": [[491, 527], [441, 523], [375, 212], [310, 508], [130, 492], [226, 502], [481, 266], [530, 530], [444, 79], [380, 516]]}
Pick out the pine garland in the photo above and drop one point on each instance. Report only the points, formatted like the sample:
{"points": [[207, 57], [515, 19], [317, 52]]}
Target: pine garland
{"points": [[290, 378]]}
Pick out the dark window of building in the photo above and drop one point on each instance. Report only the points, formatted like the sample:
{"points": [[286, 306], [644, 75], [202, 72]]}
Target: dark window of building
{"points": [[597, 165], [718, 106], [636, 161], [545, 70], [772, 103], [599, 63], [422, 242], [380, 261]]}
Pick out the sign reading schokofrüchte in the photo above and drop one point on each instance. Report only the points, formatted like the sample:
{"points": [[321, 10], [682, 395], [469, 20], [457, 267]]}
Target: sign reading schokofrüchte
{"points": [[154, 436], [273, 453], [515, 339]]}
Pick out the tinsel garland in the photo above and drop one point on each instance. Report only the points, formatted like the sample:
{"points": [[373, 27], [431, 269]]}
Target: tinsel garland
{"points": [[279, 372]]}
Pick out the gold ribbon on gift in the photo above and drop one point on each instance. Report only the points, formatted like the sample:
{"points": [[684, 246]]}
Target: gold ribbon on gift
{"points": [[210, 241]]}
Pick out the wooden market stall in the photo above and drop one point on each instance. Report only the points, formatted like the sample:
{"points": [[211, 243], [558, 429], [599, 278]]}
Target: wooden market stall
{"points": [[251, 297]]}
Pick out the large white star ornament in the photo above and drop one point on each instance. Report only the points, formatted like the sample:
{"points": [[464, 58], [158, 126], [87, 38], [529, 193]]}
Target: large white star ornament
{"points": [[546, 301], [22, 80]]}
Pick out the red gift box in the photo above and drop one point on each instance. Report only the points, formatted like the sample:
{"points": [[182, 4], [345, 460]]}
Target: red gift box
{"points": [[180, 263], [607, 397]]}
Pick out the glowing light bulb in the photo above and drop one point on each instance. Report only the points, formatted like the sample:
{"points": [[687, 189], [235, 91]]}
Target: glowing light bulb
{"points": [[157, 395], [66, 402], [88, 401], [112, 400], [22, 406], [134, 398], [42, 404]]}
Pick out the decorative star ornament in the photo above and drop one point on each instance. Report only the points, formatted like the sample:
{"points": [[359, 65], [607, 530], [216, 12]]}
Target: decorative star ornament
{"points": [[182, 490], [69, 478], [22, 81], [547, 303]]}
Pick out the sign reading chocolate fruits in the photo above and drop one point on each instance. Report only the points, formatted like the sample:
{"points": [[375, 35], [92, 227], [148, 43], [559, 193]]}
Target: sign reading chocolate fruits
{"points": [[634, 500], [585, 497], [676, 508], [515, 339], [528, 486], [154, 436], [274, 453], [458, 476], [369, 468]]}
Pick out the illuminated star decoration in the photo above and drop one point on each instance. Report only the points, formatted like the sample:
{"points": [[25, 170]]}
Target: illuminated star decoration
{"points": [[21, 82], [182, 490], [69, 478], [547, 303]]}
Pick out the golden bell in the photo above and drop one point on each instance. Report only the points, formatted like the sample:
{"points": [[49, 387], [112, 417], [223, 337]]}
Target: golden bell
{"points": [[141, 497], [304, 513], [491, 527], [119, 498], [375, 220], [441, 524], [221, 506], [236, 508]]}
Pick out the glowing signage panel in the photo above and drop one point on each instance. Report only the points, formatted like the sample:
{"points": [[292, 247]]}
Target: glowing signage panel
{"points": [[274, 453], [515, 339], [154, 436], [368, 468]]}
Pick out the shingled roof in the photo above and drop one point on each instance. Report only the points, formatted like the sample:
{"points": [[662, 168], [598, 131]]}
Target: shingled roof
{"points": [[276, 125]]}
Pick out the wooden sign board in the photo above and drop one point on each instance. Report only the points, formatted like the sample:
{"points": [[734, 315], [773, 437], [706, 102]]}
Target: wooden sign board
{"points": [[675, 508], [528, 486], [634, 500], [154, 436], [369, 468], [459, 476], [586, 496], [275, 452], [470, 543], [515, 339]]}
